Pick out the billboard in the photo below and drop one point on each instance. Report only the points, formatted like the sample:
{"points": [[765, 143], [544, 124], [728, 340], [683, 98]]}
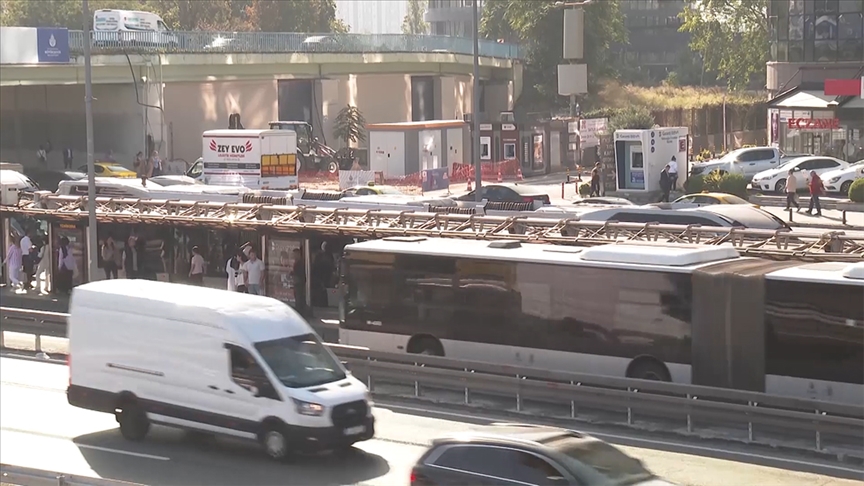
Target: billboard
{"points": [[34, 45]]}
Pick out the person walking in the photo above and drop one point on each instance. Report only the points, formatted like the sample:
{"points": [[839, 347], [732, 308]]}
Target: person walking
{"points": [[14, 262], [253, 274], [792, 191], [816, 191], [665, 184], [143, 168], [196, 267]]}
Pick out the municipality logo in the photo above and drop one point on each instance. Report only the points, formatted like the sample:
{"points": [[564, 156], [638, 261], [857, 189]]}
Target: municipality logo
{"points": [[52, 42]]}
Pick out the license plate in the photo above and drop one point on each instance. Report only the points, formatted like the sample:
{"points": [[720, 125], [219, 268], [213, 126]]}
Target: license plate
{"points": [[355, 430]]}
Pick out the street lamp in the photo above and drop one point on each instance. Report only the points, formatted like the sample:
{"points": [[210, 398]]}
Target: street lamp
{"points": [[92, 236], [475, 101]]}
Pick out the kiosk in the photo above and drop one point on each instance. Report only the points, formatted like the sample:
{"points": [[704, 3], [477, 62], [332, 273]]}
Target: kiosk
{"points": [[640, 156]]}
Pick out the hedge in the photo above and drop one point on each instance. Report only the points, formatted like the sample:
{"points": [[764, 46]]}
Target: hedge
{"points": [[715, 182], [856, 191]]}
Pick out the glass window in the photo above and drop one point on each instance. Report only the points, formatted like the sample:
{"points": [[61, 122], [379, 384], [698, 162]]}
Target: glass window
{"points": [[796, 51], [796, 7], [825, 51], [851, 50], [300, 361], [825, 6], [851, 6], [782, 24], [851, 26], [611, 463], [825, 27], [283, 257], [814, 332], [796, 27], [500, 463]]}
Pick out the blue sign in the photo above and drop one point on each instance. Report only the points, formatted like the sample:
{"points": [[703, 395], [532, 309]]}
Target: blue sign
{"points": [[637, 177], [53, 45], [435, 179]]}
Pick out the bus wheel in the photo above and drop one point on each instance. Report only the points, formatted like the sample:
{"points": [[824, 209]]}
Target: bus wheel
{"points": [[648, 369], [426, 345]]}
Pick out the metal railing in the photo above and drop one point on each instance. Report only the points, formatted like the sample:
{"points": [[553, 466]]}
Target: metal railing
{"points": [[812, 244], [688, 409], [282, 42], [35, 477]]}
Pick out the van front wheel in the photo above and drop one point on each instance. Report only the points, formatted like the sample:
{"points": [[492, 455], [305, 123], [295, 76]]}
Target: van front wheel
{"points": [[134, 424]]}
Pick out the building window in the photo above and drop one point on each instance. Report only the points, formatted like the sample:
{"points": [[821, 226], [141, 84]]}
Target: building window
{"points": [[851, 50], [826, 27], [825, 51], [796, 28], [851, 26], [851, 6], [796, 7]]}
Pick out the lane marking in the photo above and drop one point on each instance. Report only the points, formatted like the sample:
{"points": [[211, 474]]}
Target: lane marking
{"points": [[601, 435], [87, 446]]}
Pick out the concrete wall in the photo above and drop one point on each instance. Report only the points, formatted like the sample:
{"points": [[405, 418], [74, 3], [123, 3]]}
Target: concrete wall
{"points": [[33, 115], [192, 108]]}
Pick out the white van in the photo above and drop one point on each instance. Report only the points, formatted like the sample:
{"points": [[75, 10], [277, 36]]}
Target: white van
{"points": [[210, 361], [131, 27]]}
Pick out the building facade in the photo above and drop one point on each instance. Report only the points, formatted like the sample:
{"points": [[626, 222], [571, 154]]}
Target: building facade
{"points": [[813, 41], [655, 44], [451, 17]]}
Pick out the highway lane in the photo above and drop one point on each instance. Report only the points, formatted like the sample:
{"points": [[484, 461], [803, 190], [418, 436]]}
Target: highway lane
{"points": [[40, 430]]}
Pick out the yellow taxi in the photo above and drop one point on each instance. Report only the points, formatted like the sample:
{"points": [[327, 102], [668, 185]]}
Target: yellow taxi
{"points": [[372, 189], [109, 169], [710, 198]]}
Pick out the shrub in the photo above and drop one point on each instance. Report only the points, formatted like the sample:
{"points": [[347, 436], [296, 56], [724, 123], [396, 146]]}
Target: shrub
{"points": [[734, 184], [632, 117], [694, 184], [716, 182], [856, 191], [585, 189]]}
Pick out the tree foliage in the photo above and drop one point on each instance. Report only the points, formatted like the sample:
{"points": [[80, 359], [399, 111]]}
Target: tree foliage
{"points": [[631, 118], [538, 25], [349, 125], [413, 23], [317, 16], [731, 36]]}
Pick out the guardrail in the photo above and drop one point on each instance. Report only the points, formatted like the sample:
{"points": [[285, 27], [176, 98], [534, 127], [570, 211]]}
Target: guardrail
{"points": [[35, 477], [687, 409], [282, 42]]}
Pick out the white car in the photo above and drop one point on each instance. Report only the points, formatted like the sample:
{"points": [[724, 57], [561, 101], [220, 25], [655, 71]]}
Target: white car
{"points": [[840, 180], [775, 179]]}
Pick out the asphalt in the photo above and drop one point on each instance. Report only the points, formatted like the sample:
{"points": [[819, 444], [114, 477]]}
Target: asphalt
{"points": [[40, 430]]}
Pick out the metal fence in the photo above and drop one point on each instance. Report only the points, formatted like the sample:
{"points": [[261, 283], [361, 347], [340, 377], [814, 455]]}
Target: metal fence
{"points": [[687, 409], [281, 42], [36, 477]]}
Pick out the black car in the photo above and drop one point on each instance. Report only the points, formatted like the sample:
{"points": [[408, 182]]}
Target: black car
{"points": [[514, 454], [507, 193], [48, 179]]}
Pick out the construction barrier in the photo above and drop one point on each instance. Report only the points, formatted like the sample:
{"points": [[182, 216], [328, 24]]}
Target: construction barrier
{"points": [[489, 171]]}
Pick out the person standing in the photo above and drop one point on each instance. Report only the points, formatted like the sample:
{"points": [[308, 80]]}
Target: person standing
{"points": [[792, 191], [595, 180], [66, 267], [673, 173], [42, 155], [143, 168], [28, 263], [67, 158], [109, 258], [665, 184], [155, 164], [816, 191], [253, 274], [196, 267], [14, 262]]}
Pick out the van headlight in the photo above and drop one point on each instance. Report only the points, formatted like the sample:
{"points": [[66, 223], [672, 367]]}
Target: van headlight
{"points": [[308, 408], [834, 179]]}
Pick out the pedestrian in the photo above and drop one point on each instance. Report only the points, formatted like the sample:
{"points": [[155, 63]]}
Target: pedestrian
{"points": [[816, 191], [42, 155], [109, 258], [132, 256], [196, 267], [595, 180], [42, 282], [665, 184], [792, 191], [14, 262], [673, 173], [27, 260], [253, 274], [143, 168], [155, 164], [67, 158], [67, 267]]}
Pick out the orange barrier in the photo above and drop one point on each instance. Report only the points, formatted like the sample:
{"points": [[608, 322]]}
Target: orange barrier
{"points": [[508, 169]]}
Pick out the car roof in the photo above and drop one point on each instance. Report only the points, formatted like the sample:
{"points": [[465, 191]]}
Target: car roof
{"points": [[520, 189], [749, 216], [527, 436]]}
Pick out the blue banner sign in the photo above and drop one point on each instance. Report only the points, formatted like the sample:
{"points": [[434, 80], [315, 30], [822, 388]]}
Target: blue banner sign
{"points": [[53, 45], [435, 179]]}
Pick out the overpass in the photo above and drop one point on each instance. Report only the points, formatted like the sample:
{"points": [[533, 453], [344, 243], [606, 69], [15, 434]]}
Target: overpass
{"points": [[179, 84]]}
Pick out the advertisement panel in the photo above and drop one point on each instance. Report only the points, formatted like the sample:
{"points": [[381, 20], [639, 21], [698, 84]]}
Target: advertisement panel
{"points": [[282, 257], [435, 179], [52, 45]]}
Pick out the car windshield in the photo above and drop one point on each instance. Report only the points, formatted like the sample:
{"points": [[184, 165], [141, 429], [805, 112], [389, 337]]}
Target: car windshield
{"points": [[733, 199], [117, 168], [300, 361], [599, 458], [730, 157]]}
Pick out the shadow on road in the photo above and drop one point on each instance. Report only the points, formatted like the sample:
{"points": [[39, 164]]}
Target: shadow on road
{"points": [[172, 458]]}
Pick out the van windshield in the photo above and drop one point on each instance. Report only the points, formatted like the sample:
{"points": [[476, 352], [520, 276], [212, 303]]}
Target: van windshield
{"points": [[300, 361]]}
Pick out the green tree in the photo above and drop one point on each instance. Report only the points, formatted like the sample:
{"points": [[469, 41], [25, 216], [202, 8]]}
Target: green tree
{"points": [[631, 118], [318, 16], [55, 13], [538, 26], [349, 125], [731, 36], [413, 23]]}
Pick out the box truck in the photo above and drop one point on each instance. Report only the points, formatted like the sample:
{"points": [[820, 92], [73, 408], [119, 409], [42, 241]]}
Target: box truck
{"points": [[257, 159]]}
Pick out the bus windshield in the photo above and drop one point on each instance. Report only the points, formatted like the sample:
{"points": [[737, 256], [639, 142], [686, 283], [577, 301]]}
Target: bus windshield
{"points": [[300, 361]]}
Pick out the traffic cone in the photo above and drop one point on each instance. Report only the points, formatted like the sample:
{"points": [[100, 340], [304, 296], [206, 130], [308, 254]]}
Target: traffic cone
{"points": [[469, 189], [519, 174], [500, 179]]}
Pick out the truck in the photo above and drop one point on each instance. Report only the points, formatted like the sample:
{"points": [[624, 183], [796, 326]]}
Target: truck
{"points": [[314, 154], [257, 159]]}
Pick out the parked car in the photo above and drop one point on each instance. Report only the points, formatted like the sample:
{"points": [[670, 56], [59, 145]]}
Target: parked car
{"points": [[704, 199], [840, 180], [372, 190], [775, 179], [745, 161], [722, 215], [603, 201], [507, 193], [109, 169], [515, 454], [48, 179]]}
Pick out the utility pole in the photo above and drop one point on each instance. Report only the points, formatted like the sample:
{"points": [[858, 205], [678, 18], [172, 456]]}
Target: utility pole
{"points": [[475, 98], [92, 235]]}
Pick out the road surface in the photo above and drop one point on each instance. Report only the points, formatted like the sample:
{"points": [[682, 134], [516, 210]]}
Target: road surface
{"points": [[40, 430]]}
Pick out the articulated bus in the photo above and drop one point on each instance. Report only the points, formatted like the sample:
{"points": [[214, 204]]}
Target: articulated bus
{"points": [[687, 314]]}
